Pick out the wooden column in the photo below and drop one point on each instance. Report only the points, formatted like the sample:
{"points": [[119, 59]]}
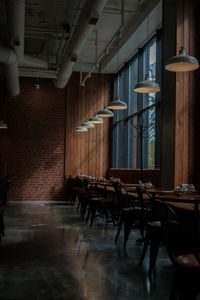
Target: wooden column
{"points": [[186, 126], [168, 93], [180, 129]]}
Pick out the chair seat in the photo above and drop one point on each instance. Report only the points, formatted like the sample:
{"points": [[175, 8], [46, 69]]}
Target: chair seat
{"points": [[101, 200], [154, 224], [189, 261]]}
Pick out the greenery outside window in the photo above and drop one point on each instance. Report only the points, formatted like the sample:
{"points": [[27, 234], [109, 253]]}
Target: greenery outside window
{"points": [[143, 111]]}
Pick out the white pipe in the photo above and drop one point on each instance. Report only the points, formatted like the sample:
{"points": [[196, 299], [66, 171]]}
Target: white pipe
{"points": [[116, 35], [78, 40], [37, 73], [16, 23], [33, 62], [9, 59]]}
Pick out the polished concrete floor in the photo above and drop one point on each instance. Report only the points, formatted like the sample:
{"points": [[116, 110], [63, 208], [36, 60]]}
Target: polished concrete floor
{"points": [[48, 252]]}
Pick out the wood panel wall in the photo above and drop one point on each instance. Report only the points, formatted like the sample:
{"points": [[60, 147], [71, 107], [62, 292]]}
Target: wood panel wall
{"points": [[87, 152], [187, 97]]}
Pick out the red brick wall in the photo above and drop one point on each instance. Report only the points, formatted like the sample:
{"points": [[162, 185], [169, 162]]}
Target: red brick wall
{"points": [[36, 121]]}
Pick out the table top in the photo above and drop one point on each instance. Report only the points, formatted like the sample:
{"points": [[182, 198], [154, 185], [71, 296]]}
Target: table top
{"points": [[186, 201]]}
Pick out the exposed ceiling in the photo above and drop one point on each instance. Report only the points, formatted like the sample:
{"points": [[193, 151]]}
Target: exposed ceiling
{"points": [[50, 25]]}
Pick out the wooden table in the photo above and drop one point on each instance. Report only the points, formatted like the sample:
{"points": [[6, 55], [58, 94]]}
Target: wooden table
{"points": [[185, 201]]}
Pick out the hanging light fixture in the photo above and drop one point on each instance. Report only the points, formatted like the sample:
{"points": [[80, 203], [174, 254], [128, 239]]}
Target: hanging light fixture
{"points": [[3, 125], [147, 85], [182, 62], [105, 113], [117, 103], [87, 125], [95, 120], [81, 129]]}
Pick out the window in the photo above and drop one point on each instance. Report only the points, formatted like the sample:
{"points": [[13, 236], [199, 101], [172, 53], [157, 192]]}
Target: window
{"points": [[136, 131]]}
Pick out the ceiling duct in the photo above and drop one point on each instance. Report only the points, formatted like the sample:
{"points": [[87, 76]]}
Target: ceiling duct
{"points": [[10, 65], [91, 13], [13, 58], [16, 22], [94, 17]]}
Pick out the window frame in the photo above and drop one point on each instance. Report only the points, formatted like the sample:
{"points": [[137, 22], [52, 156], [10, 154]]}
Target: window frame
{"points": [[126, 158]]}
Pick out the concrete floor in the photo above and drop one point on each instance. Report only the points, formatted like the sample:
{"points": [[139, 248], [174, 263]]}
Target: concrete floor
{"points": [[48, 252]]}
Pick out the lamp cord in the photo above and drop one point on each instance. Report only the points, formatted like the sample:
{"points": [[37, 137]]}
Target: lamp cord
{"points": [[118, 68], [183, 12]]}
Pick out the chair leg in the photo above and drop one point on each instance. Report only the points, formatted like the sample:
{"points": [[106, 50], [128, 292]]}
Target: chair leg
{"points": [[154, 246], [146, 243], [119, 229], [93, 215], [128, 223], [174, 290], [2, 227]]}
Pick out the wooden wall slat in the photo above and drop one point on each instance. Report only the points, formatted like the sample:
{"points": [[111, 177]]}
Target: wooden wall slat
{"points": [[87, 153], [185, 98]]}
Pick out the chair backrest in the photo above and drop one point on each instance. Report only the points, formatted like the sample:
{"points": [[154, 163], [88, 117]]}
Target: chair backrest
{"points": [[121, 196], [4, 189], [177, 235], [145, 198]]}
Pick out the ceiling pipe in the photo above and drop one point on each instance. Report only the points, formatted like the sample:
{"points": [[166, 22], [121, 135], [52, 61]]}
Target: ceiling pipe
{"points": [[33, 62], [115, 37], [9, 60], [13, 58], [87, 20], [16, 24]]}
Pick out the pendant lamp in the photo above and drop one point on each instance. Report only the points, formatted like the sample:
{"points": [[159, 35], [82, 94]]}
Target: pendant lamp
{"points": [[105, 113], [3, 125], [87, 125], [95, 120], [147, 86], [182, 62], [117, 103], [81, 129]]}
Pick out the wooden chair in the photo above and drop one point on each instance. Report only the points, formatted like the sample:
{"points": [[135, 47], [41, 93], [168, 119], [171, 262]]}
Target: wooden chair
{"points": [[183, 252], [130, 211], [153, 227], [99, 204]]}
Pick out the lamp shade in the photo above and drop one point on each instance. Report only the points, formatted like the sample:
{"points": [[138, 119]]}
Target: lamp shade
{"points": [[87, 125], [105, 113], [3, 125], [182, 62], [147, 86], [95, 120], [117, 104], [81, 129]]}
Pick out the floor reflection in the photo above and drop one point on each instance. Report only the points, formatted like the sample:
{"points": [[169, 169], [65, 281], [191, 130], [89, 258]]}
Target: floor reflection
{"points": [[50, 253]]}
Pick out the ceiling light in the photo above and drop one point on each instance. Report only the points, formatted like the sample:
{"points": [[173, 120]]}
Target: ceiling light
{"points": [[105, 113], [3, 125], [95, 120], [147, 86], [117, 104], [182, 62], [87, 125], [81, 129]]}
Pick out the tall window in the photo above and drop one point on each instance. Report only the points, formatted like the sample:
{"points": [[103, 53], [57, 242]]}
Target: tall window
{"points": [[143, 111]]}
